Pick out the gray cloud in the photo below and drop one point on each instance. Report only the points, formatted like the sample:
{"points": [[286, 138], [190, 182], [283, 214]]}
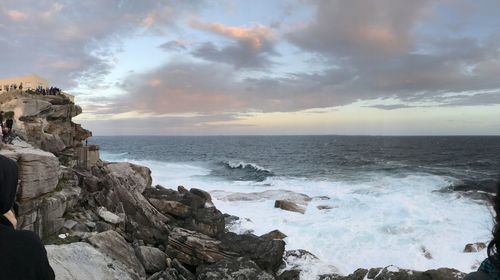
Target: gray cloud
{"points": [[73, 41]]}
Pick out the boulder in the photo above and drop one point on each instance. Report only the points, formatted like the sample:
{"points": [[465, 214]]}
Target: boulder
{"points": [[203, 194], [289, 206], [153, 259], [240, 268], [138, 177], [108, 216], [38, 171], [474, 247], [113, 245], [209, 221], [81, 261], [170, 207], [274, 235], [268, 254], [194, 248]]}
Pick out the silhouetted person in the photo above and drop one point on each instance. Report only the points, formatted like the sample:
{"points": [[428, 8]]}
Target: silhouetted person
{"points": [[22, 254], [1, 119]]}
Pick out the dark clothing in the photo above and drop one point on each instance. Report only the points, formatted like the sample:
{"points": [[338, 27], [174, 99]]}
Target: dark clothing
{"points": [[486, 271], [8, 183], [22, 254], [9, 123], [478, 275]]}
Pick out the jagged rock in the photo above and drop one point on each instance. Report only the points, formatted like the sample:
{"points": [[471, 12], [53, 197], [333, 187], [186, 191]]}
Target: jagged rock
{"points": [[394, 273], [289, 206], [203, 194], [175, 264], [209, 221], [194, 248], [240, 268], [300, 254], [113, 245], [267, 254], [121, 195], [289, 275], [474, 247], [153, 259], [170, 207], [274, 235], [81, 261], [102, 226], [139, 177], [108, 216]]}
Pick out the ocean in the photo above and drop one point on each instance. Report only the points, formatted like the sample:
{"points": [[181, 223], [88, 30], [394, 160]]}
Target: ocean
{"points": [[413, 202]]}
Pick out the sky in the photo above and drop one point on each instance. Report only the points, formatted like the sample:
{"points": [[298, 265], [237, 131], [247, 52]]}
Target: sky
{"points": [[357, 67]]}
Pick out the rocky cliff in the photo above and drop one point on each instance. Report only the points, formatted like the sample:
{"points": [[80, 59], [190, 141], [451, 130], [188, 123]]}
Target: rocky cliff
{"points": [[105, 220]]}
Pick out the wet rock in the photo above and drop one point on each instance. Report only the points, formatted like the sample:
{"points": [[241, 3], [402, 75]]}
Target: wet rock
{"points": [[298, 198], [240, 268], [268, 254], [170, 207], [153, 259], [474, 247], [289, 275], [289, 206], [326, 207], [395, 273], [426, 253], [113, 245], [274, 235]]}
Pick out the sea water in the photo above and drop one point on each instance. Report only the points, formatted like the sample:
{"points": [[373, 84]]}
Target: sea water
{"points": [[389, 200]]}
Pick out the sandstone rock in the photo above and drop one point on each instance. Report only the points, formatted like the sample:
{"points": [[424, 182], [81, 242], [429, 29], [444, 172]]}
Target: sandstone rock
{"points": [[474, 247], [240, 268], [139, 176], [203, 194], [170, 207], [194, 248], [119, 194], [274, 235], [80, 261], [38, 171], [153, 259], [289, 206], [69, 224], [113, 245], [209, 221], [108, 216], [268, 254]]}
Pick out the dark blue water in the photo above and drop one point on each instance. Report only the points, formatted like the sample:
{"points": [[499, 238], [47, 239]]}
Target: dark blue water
{"points": [[475, 161]]}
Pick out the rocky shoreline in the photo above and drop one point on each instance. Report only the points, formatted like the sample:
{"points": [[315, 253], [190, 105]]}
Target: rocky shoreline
{"points": [[105, 220]]}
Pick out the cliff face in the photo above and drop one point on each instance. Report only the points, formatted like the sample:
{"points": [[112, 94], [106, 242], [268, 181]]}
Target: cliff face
{"points": [[111, 223], [45, 121]]}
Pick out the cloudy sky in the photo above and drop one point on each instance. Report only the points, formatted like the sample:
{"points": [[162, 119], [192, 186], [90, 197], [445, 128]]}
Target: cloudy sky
{"points": [[385, 67]]}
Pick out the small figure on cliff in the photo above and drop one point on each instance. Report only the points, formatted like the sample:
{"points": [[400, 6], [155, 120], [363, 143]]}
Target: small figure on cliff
{"points": [[1, 119], [9, 123], [22, 254], [490, 267]]}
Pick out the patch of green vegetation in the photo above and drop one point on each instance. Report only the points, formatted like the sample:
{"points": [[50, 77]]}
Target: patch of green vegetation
{"points": [[60, 184], [54, 239]]}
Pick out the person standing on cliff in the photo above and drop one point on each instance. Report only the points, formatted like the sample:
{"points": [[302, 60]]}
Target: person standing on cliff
{"points": [[22, 254], [1, 119]]}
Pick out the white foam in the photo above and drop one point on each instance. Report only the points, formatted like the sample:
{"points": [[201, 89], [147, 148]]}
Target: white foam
{"points": [[376, 223]]}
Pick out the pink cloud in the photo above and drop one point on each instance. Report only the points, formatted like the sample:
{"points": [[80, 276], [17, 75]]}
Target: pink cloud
{"points": [[16, 15], [255, 36]]}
